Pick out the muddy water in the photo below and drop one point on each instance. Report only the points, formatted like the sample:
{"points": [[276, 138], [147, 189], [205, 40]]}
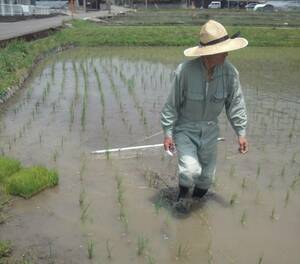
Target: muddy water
{"points": [[79, 101]]}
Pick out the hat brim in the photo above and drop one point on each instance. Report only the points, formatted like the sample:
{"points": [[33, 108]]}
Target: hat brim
{"points": [[224, 46]]}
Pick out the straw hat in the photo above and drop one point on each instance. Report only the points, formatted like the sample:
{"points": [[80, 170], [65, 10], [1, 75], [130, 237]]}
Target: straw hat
{"points": [[214, 39]]}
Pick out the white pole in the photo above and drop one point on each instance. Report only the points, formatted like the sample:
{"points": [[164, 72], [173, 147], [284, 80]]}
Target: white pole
{"points": [[127, 148], [103, 151]]}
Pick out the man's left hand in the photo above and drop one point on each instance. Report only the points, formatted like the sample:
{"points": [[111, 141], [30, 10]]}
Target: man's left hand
{"points": [[243, 143]]}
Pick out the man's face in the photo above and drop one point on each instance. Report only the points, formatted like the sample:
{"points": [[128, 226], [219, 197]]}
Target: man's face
{"points": [[217, 59]]}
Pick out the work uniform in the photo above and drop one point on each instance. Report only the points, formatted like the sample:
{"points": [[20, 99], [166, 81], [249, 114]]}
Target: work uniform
{"points": [[190, 117]]}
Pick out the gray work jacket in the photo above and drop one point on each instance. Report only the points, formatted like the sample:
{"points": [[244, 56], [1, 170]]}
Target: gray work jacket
{"points": [[194, 99]]}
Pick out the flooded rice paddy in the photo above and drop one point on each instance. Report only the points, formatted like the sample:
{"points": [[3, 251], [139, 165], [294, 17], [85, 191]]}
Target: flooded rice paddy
{"points": [[116, 208]]}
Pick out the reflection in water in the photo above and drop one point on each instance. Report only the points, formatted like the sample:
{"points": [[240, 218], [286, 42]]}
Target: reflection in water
{"points": [[79, 101]]}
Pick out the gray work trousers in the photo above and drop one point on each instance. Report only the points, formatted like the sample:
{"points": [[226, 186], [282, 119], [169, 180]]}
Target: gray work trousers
{"points": [[196, 147]]}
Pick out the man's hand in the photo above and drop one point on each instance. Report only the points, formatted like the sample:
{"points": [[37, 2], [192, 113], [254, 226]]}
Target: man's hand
{"points": [[243, 145], [169, 144]]}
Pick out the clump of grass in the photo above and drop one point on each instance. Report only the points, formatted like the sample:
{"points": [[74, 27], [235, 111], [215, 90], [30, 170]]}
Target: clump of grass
{"points": [[182, 251], [29, 181], [8, 167], [142, 244], [5, 248], [90, 248]]}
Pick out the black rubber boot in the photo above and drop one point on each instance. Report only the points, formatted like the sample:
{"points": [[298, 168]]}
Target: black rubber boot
{"points": [[183, 191], [199, 193], [183, 204]]}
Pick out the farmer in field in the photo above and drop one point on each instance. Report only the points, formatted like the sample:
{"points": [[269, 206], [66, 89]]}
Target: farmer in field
{"points": [[201, 88]]}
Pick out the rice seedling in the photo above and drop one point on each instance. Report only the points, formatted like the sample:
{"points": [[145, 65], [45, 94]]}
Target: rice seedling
{"points": [[273, 215], [232, 170], [150, 259], [295, 182], [158, 205], [233, 199], [258, 197], [82, 169], [62, 142], [53, 72], [84, 212], [287, 198], [244, 218], [40, 137], [55, 155], [282, 171], [260, 260], [5, 248], [258, 171], [244, 183], [142, 244], [294, 157], [82, 197], [108, 249], [90, 248], [53, 107], [271, 184], [182, 251]]}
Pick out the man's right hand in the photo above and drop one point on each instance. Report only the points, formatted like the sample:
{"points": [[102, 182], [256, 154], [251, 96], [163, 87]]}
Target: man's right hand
{"points": [[169, 144]]}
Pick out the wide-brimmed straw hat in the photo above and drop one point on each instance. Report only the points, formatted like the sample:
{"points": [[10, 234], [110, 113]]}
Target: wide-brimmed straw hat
{"points": [[214, 39]]}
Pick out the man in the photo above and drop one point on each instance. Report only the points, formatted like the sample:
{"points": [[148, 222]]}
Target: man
{"points": [[201, 89]]}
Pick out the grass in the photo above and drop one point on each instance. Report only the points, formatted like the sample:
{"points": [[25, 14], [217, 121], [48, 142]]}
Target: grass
{"points": [[18, 56], [29, 181], [5, 248], [8, 167]]}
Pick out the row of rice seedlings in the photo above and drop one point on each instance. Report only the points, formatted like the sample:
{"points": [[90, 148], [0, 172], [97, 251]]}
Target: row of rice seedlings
{"points": [[130, 84], [76, 81], [72, 115], [102, 98], [117, 95], [62, 86], [85, 96]]}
